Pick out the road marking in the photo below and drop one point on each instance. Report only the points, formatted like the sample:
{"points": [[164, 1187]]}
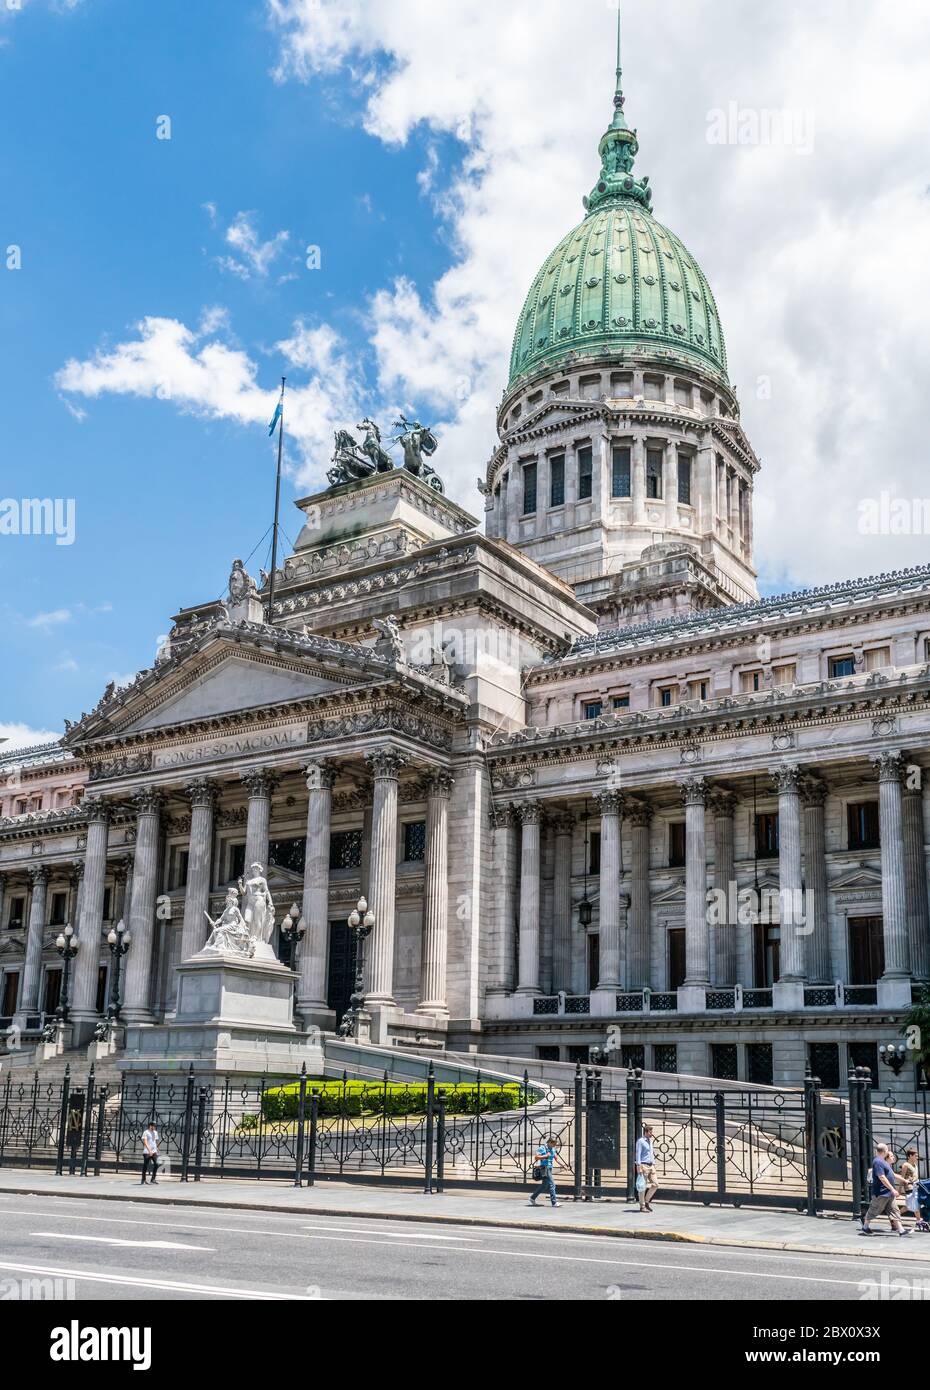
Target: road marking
{"points": [[365, 1231], [179, 1286], [134, 1244]]}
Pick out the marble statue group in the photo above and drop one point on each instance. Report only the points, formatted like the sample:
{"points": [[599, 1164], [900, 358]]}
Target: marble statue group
{"points": [[245, 932]]}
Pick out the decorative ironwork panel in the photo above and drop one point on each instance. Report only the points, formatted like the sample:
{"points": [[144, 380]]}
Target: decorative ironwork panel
{"points": [[664, 1003], [757, 998], [819, 998], [721, 999], [546, 1004], [578, 1004], [860, 994], [630, 1003], [345, 849]]}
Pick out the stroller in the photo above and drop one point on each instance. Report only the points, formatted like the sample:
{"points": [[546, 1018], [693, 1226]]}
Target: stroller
{"points": [[923, 1206]]}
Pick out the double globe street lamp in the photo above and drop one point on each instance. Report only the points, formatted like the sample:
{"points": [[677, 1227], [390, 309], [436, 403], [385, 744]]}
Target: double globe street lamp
{"points": [[118, 940], [361, 921], [67, 948]]}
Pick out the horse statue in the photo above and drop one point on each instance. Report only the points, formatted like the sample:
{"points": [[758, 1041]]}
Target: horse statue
{"points": [[371, 445], [418, 440], [349, 463]]}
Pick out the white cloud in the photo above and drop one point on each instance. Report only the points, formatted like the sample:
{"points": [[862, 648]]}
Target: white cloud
{"points": [[47, 621], [13, 736], [66, 664], [817, 260], [253, 256]]}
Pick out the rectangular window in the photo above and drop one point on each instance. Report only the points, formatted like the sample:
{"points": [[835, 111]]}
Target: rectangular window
{"points": [[825, 1063], [866, 950], [594, 852], [557, 481], [665, 1057], [633, 1055], [767, 835], [585, 473], [842, 666], [236, 861], [684, 480], [529, 488], [10, 993], [684, 394], [654, 473], [52, 991], [620, 702], [654, 388], [877, 658], [676, 957], [288, 854], [59, 906], [723, 1062], [784, 675], [345, 849], [621, 385], [759, 1064], [863, 1054], [666, 694], [415, 842], [699, 689], [676, 844], [592, 709], [862, 825], [17, 912], [620, 475], [750, 681]]}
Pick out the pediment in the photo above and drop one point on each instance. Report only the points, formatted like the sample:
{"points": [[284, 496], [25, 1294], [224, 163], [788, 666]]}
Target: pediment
{"points": [[674, 896], [857, 878], [236, 682]]}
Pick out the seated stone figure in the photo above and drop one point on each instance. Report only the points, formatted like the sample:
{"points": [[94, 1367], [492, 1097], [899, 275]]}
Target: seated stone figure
{"points": [[230, 932]]}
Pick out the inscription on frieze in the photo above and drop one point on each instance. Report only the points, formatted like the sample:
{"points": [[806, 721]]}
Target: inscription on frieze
{"points": [[245, 745]]}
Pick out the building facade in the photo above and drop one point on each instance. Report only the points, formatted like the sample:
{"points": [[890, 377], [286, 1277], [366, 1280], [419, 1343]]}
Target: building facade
{"points": [[595, 790]]}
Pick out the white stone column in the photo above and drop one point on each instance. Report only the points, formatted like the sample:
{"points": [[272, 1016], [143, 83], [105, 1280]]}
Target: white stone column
{"points": [[75, 893], [817, 916], [792, 955], [733, 495], [722, 511], [918, 917], [723, 807], [894, 986], [504, 829], [2, 896], [435, 899], [202, 793], [609, 946], [90, 926], [563, 826], [260, 782], [530, 813], [139, 959], [671, 485], [385, 765], [638, 955], [314, 949], [32, 972], [697, 934], [638, 480]]}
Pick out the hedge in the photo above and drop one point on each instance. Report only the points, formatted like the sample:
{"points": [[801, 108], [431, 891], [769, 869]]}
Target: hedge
{"points": [[357, 1098]]}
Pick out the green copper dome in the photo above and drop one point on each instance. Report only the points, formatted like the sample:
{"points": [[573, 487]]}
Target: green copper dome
{"points": [[619, 280]]}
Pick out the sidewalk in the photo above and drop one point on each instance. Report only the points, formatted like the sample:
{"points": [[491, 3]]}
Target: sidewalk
{"points": [[679, 1221]]}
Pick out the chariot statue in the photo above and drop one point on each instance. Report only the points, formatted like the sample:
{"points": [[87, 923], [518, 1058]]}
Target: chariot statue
{"points": [[418, 441]]}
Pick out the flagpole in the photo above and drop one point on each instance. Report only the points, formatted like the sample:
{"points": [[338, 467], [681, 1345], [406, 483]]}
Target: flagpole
{"points": [[277, 506]]}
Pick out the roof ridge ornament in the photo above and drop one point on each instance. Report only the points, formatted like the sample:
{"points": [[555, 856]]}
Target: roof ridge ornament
{"points": [[618, 149]]}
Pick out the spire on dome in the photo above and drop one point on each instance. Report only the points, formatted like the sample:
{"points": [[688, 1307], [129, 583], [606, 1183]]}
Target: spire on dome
{"points": [[618, 149]]}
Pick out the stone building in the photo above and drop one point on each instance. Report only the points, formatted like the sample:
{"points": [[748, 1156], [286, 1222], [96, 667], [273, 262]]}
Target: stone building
{"points": [[594, 788]]}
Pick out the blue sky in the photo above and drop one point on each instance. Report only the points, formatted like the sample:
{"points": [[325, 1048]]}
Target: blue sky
{"points": [[435, 153]]}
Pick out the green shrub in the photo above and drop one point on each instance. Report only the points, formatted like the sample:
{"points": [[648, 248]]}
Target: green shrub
{"points": [[354, 1099]]}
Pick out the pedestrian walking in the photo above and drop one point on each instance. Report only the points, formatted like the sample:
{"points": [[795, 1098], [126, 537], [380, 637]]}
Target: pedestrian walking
{"points": [[544, 1170], [150, 1142], [907, 1180], [646, 1185], [883, 1194]]}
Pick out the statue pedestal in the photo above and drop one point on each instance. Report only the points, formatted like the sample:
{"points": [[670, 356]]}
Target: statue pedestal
{"points": [[233, 1015]]}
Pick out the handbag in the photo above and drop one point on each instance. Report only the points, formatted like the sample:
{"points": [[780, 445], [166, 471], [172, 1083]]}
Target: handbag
{"points": [[537, 1172]]}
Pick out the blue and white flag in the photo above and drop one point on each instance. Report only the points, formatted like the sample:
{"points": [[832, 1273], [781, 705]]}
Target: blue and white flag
{"points": [[278, 411]]}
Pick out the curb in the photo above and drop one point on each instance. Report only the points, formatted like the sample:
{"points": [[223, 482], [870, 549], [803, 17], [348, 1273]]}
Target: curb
{"points": [[488, 1222]]}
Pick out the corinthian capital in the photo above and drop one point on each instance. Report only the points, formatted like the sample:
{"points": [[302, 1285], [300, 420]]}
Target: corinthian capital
{"points": [[640, 813], [386, 762], [503, 817], [440, 784], [693, 791], [260, 781], [202, 791], [722, 803], [787, 778], [146, 801], [530, 812], [38, 873], [610, 803], [96, 810], [320, 775], [889, 765]]}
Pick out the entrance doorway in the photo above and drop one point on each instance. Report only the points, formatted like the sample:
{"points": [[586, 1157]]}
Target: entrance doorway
{"points": [[866, 950], [341, 973], [677, 964], [10, 993], [52, 994]]}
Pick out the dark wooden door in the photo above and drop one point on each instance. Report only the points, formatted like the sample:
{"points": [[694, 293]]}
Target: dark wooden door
{"points": [[52, 990], [866, 950], [341, 974], [594, 960], [676, 957], [10, 991]]}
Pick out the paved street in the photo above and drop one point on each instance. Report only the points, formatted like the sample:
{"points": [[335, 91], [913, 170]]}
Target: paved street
{"points": [[117, 1250]]}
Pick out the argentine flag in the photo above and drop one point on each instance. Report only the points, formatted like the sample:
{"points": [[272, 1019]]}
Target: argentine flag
{"points": [[275, 417]]}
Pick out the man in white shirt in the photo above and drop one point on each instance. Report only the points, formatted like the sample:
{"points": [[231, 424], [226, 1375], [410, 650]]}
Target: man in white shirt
{"points": [[646, 1169], [150, 1151]]}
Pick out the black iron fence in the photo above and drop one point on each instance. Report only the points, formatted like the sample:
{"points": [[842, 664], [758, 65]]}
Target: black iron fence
{"points": [[806, 1149]]}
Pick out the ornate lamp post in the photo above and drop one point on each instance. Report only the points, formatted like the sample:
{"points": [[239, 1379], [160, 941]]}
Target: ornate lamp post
{"points": [[893, 1055], [118, 940], [361, 920], [293, 930], [67, 948]]}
